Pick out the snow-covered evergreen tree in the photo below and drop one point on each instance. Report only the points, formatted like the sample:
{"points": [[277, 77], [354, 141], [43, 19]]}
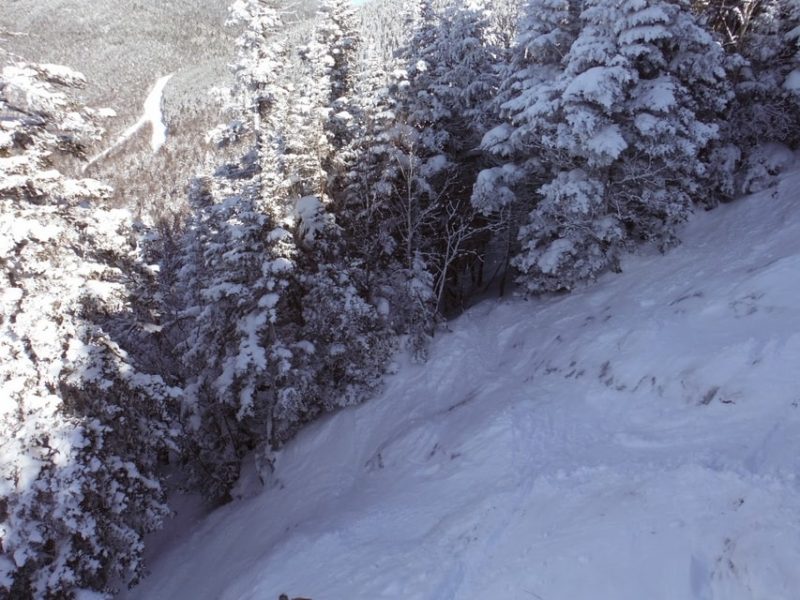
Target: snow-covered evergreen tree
{"points": [[259, 67], [467, 55], [525, 100], [234, 355], [411, 177], [340, 343], [277, 333], [384, 211], [236, 257], [82, 425], [337, 33], [762, 39], [617, 130]]}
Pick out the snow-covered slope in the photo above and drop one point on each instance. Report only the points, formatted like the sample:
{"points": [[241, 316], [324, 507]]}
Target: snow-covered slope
{"points": [[636, 440]]}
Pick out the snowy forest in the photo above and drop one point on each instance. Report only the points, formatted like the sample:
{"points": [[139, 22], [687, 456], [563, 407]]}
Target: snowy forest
{"points": [[371, 173]]}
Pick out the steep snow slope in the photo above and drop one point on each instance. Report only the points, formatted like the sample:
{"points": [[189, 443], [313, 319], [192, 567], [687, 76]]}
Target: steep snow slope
{"points": [[636, 440]]}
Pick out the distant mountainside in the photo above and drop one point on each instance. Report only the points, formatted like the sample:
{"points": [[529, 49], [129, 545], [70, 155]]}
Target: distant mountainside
{"points": [[123, 47]]}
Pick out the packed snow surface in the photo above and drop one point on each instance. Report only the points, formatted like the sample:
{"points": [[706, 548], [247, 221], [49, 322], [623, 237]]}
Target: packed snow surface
{"points": [[638, 439]]}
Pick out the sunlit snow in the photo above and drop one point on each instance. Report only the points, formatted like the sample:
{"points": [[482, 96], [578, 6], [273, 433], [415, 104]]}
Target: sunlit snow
{"points": [[152, 114]]}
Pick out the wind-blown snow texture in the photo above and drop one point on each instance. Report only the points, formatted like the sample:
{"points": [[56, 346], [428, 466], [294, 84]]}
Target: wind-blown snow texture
{"points": [[637, 439]]}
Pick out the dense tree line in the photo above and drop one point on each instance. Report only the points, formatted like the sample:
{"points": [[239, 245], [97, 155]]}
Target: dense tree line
{"points": [[377, 171]]}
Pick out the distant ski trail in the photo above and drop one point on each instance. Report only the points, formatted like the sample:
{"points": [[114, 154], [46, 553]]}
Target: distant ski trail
{"points": [[152, 114]]}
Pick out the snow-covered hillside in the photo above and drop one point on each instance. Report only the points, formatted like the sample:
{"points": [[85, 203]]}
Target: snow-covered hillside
{"points": [[639, 439]]}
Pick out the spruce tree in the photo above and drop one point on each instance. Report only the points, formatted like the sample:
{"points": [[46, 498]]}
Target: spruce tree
{"points": [[278, 333], [619, 131], [763, 120], [83, 425]]}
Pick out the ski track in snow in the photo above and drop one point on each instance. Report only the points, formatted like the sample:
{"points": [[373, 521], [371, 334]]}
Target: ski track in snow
{"points": [[639, 438], [151, 114]]}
